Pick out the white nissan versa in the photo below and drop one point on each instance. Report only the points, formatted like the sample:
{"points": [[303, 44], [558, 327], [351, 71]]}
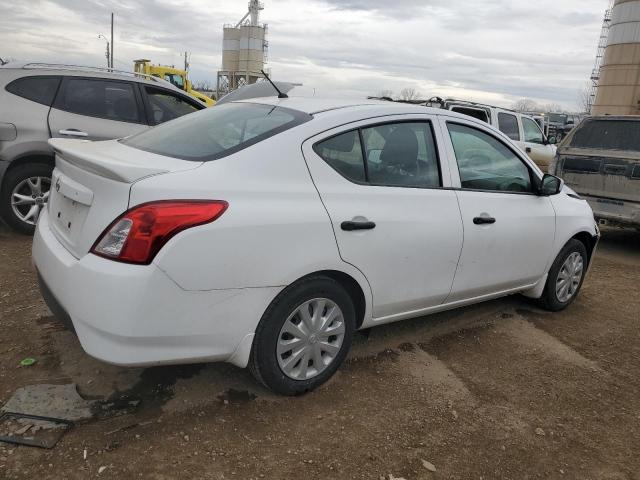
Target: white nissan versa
{"points": [[265, 232]]}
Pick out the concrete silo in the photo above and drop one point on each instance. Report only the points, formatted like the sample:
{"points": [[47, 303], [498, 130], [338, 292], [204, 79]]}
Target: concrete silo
{"points": [[619, 80], [244, 51]]}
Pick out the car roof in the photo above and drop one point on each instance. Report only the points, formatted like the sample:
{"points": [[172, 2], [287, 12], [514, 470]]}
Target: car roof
{"points": [[316, 105], [86, 71]]}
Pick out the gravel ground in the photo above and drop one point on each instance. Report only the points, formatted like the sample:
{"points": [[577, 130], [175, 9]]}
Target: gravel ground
{"points": [[500, 390]]}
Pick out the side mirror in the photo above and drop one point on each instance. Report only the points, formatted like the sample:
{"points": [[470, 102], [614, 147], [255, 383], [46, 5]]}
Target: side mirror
{"points": [[550, 185], [552, 141]]}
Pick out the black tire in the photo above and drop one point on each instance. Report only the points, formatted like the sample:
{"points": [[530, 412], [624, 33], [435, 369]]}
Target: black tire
{"points": [[11, 180], [263, 363], [549, 299]]}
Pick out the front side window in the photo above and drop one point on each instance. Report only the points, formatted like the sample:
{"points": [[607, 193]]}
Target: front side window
{"points": [[166, 106], [532, 132], [217, 132], [392, 154], [485, 163], [106, 99], [38, 89], [508, 124]]}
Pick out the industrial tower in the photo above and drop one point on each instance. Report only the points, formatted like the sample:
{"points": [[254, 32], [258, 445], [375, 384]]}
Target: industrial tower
{"points": [[602, 43], [618, 90], [244, 51]]}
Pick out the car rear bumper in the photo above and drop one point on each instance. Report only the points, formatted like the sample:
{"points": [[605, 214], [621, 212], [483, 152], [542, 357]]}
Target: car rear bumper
{"points": [[610, 210], [136, 315]]}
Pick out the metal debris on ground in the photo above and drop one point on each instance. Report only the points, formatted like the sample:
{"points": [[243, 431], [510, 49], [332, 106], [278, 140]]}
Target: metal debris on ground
{"points": [[32, 430], [52, 401]]}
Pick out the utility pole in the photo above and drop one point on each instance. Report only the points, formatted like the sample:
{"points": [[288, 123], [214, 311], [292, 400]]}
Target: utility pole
{"points": [[111, 60], [186, 62]]}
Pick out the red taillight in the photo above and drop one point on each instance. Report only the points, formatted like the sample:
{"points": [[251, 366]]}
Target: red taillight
{"points": [[139, 234]]}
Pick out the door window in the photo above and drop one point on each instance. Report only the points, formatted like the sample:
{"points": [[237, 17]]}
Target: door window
{"points": [[99, 98], [393, 154], [166, 106], [508, 124], [37, 89], [485, 163], [401, 154], [532, 132]]}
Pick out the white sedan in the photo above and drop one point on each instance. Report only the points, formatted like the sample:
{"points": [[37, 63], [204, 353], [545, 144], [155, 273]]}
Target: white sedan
{"points": [[265, 232]]}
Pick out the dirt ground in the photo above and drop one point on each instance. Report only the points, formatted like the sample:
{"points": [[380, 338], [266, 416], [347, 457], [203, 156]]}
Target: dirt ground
{"points": [[500, 390]]}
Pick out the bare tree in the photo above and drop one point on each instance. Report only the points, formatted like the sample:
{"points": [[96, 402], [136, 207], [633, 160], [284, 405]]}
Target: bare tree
{"points": [[408, 94], [584, 98], [552, 108], [203, 85], [525, 105], [384, 94]]}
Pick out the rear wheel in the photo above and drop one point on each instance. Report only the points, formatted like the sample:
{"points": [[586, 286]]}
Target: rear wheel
{"points": [[25, 193], [304, 336], [565, 276]]}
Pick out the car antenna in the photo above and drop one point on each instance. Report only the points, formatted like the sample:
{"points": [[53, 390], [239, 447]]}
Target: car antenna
{"points": [[280, 94]]}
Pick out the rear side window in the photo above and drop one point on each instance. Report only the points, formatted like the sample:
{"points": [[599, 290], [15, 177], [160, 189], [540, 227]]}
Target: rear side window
{"points": [[217, 132], [38, 89], [391, 154], [106, 99], [165, 106], [508, 124], [608, 135]]}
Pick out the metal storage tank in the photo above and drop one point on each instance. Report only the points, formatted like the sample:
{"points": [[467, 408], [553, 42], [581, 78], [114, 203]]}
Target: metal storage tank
{"points": [[619, 83], [244, 49], [230, 48]]}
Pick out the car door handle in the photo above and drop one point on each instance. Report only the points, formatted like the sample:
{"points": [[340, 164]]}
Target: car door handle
{"points": [[350, 226], [484, 220], [528, 149], [72, 132]]}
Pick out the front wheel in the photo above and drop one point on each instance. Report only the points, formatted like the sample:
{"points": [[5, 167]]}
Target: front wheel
{"points": [[304, 336], [565, 277]]}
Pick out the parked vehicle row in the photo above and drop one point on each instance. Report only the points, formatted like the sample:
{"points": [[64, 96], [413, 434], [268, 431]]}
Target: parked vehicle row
{"points": [[39, 102], [265, 232]]}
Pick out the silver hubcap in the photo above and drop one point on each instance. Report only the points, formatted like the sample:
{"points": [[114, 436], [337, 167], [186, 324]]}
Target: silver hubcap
{"points": [[569, 277], [29, 197], [310, 339]]}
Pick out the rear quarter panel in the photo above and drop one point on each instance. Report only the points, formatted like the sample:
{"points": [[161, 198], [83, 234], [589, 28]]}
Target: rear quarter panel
{"points": [[274, 231]]}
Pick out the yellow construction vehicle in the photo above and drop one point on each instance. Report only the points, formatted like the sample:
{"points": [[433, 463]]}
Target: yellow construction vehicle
{"points": [[173, 75]]}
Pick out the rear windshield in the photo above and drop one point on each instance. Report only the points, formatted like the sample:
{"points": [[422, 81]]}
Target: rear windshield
{"points": [[217, 132], [608, 135]]}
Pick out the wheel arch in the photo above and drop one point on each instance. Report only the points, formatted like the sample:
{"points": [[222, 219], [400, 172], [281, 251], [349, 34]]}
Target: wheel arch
{"points": [[39, 158], [588, 240]]}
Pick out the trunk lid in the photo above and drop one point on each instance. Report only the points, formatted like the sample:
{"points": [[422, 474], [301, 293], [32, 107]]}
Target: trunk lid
{"points": [[91, 183]]}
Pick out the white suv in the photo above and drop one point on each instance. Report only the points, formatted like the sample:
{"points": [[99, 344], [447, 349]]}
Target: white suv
{"points": [[265, 232]]}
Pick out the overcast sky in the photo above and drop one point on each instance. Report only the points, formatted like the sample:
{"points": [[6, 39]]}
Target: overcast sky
{"points": [[486, 50]]}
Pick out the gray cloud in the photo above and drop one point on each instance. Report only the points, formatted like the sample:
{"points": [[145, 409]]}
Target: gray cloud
{"points": [[496, 50]]}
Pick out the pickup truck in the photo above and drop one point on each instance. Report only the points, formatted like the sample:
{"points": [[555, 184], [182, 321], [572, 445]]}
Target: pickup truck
{"points": [[600, 160]]}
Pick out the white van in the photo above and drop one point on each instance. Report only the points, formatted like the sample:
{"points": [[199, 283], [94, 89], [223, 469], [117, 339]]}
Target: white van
{"points": [[522, 129]]}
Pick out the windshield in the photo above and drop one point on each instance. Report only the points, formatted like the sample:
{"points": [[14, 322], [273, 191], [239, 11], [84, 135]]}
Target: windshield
{"points": [[608, 135], [217, 131], [557, 118]]}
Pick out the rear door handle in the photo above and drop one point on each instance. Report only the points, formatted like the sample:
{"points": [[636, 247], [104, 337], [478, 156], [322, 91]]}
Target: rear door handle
{"points": [[528, 149], [350, 226], [72, 132], [484, 220]]}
